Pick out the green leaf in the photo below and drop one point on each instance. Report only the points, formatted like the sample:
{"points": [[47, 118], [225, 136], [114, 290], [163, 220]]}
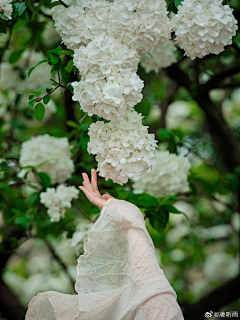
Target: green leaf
{"points": [[56, 51], [69, 86], [57, 66], [40, 62], [29, 4], [49, 90], [170, 208], [54, 58], [30, 91], [39, 112], [43, 88], [81, 120], [32, 102], [46, 99], [69, 66], [45, 179], [72, 124], [15, 56], [165, 134], [177, 3], [5, 187], [33, 198], [29, 14], [25, 222], [31, 97], [22, 7], [3, 28], [159, 221]]}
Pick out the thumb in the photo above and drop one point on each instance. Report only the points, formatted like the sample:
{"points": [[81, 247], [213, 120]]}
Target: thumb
{"points": [[106, 196]]}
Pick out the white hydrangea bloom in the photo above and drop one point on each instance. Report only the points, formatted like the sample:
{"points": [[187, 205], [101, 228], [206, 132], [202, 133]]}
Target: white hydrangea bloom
{"points": [[167, 177], [82, 21], [47, 154], [11, 74], [57, 200], [6, 9], [124, 149], [141, 24], [81, 236], [109, 97], [203, 27], [105, 55], [161, 57]]}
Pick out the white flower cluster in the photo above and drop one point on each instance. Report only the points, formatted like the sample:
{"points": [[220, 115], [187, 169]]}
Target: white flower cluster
{"points": [[203, 27], [161, 57], [167, 177], [47, 154], [107, 38], [124, 149], [6, 9], [81, 236], [57, 200], [12, 74]]}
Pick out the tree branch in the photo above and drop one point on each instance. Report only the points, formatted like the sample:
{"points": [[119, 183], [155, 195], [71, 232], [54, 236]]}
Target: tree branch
{"points": [[59, 260], [215, 300], [10, 306], [218, 78]]}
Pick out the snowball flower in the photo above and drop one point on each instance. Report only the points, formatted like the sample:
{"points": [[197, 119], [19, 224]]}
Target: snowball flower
{"points": [[47, 154], [14, 76], [141, 24], [82, 21], [110, 97], [57, 200], [167, 177], [161, 57], [106, 55], [124, 149], [203, 27], [6, 9]]}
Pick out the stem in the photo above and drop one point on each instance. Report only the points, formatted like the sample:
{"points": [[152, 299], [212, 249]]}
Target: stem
{"points": [[83, 214], [63, 3]]}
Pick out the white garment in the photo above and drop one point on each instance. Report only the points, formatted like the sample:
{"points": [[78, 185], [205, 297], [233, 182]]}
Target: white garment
{"points": [[118, 276]]}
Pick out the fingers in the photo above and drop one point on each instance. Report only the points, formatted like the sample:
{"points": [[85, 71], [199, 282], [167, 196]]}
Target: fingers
{"points": [[87, 193], [99, 202], [94, 182], [86, 182]]}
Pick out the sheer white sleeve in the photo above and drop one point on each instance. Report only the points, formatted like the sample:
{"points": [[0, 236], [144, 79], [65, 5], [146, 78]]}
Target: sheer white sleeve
{"points": [[118, 277]]}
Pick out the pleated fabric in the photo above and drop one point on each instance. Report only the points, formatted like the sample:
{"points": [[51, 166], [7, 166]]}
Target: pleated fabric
{"points": [[118, 276]]}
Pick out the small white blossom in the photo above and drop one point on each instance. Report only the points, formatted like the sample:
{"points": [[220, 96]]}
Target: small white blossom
{"points": [[124, 149], [203, 27], [161, 57], [81, 235], [47, 154], [6, 9], [57, 200], [167, 177]]}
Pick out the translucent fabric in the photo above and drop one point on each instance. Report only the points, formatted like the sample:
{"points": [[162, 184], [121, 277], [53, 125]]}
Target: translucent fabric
{"points": [[118, 276]]}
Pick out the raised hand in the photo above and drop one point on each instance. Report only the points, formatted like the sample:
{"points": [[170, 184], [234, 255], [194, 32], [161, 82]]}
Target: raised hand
{"points": [[91, 190]]}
